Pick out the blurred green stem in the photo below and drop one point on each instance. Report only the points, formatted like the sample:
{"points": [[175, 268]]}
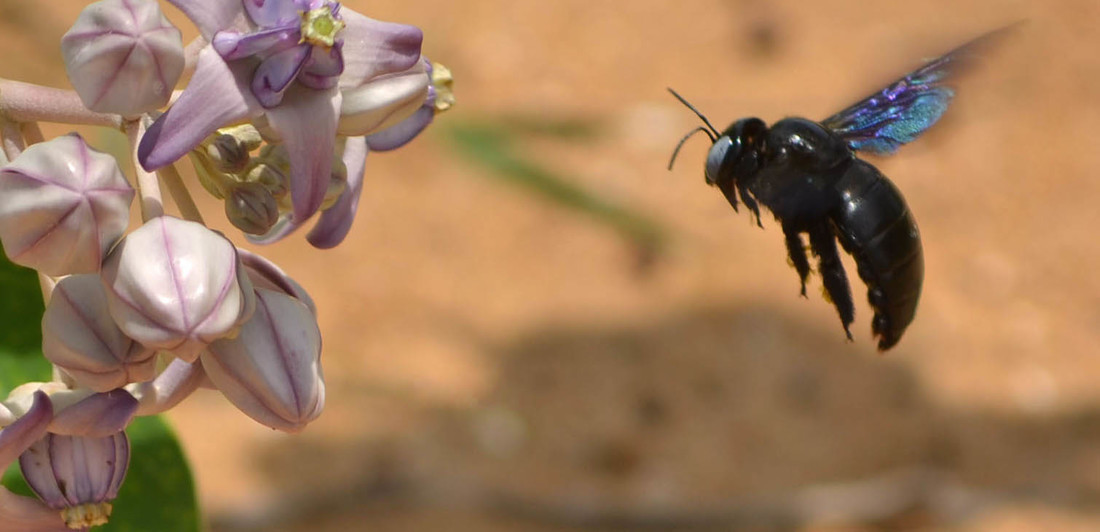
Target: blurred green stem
{"points": [[490, 146]]}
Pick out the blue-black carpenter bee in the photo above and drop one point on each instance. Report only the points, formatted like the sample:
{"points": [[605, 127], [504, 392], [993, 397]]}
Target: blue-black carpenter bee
{"points": [[807, 174]]}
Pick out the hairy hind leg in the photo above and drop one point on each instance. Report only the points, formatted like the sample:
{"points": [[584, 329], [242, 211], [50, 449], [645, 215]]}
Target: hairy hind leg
{"points": [[823, 244], [796, 250], [750, 202]]}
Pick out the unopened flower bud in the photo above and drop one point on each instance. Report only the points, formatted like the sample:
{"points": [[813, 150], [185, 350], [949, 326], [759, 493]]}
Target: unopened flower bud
{"points": [[272, 370], [273, 166], [79, 336], [227, 154], [176, 286], [230, 148], [123, 56], [77, 475], [383, 101], [251, 208], [271, 169], [62, 206], [272, 177]]}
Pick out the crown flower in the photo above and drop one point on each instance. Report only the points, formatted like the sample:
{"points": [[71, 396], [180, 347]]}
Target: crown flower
{"points": [[284, 100], [287, 62]]}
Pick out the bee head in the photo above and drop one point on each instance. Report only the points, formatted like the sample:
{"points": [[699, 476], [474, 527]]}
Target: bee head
{"points": [[736, 152]]}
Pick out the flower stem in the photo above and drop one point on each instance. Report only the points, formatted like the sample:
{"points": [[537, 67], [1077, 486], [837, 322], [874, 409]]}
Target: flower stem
{"points": [[174, 384], [191, 55], [179, 193], [12, 139], [25, 103], [32, 133], [148, 187]]}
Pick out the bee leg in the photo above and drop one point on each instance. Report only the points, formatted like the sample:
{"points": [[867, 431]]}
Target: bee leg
{"points": [[823, 243], [727, 190], [750, 202], [796, 250]]}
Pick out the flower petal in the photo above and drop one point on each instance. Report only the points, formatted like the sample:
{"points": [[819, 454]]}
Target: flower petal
{"points": [[276, 72], [306, 121], [232, 45], [29, 428], [267, 13], [96, 416], [214, 98], [323, 69], [266, 274], [373, 48], [335, 222], [401, 133], [384, 101], [211, 16]]}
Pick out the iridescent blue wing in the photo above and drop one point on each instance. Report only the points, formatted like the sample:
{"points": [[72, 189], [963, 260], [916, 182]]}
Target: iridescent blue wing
{"points": [[906, 108]]}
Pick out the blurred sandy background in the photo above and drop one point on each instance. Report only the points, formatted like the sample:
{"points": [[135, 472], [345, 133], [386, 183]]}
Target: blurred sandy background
{"points": [[499, 361]]}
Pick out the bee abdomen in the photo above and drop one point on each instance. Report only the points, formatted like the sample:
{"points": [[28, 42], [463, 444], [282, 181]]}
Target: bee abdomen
{"points": [[875, 226]]}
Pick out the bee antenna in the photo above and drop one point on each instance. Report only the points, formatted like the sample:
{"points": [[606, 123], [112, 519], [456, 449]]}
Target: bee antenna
{"points": [[683, 140], [712, 131]]}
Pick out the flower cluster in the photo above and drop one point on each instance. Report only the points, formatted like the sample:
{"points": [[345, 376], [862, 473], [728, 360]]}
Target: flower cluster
{"points": [[285, 100]]}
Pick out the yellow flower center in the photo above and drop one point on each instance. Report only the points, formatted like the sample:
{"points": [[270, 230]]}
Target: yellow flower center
{"points": [[443, 82], [86, 515], [320, 27]]}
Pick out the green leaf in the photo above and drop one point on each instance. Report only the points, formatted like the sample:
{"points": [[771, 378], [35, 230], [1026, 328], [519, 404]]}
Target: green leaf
{"points": [[20, 327], [158, 493]]}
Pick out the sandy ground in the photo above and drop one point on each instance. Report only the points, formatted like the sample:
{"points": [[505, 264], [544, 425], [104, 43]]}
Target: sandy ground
{"points": [[497, 362]]}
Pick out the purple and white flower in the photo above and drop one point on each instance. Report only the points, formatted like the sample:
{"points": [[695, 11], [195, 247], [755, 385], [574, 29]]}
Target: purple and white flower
{"points": [[285, 63]]}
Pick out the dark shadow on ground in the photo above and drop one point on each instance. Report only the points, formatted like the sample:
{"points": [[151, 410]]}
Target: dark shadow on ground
{"points": [[715, 418]]}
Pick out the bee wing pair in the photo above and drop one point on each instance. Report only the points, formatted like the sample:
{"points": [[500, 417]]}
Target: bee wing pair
{"points": [[906, 108]]}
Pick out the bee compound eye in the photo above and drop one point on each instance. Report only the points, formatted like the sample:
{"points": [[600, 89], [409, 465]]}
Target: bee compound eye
{"points": [[723, 149]]}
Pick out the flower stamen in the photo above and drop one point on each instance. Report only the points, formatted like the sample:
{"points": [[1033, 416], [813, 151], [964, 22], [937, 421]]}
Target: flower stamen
{"points": [[321, 26]]}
